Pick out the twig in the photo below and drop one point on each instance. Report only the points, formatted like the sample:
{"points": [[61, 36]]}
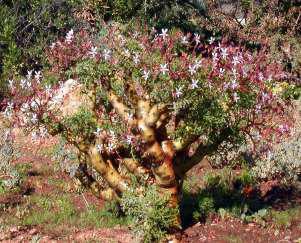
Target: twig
{"points": [[86, 202]]}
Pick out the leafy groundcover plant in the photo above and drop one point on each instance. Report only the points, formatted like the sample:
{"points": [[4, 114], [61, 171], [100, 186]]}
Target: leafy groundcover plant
{"points": [[150, 105]]}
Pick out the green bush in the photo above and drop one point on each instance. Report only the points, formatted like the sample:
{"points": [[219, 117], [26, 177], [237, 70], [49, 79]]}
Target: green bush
{"points": [[283, 163], [26, 28], [224, 193], [151, 216]]}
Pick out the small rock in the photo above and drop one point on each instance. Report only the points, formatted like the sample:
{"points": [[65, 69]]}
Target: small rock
{"points": [[33, 232], [13, 230]]}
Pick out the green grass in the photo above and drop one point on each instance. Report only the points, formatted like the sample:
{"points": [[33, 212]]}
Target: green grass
{"points": [[60, 212], [284, 219], [50, 211]]}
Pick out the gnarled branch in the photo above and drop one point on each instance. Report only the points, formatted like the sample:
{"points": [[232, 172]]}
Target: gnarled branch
{"points": [[121, 108], [90, 183], [113, 178]]}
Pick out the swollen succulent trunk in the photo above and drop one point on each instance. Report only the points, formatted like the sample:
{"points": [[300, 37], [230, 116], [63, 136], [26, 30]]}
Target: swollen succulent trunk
{"points": [[158, 155]]}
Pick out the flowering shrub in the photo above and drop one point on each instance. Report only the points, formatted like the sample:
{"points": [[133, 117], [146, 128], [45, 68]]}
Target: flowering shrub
{"points": [[150, 105], [274, 24], [26, 29], [9, 176], [283, 163]]}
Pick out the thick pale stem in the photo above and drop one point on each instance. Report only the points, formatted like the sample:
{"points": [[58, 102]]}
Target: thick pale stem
{"points": [[166, 178], [90, 183], [113, 178], [182, 144], [121, 108], [154, 115], [162, 155], [184, 163], [134, 167]]}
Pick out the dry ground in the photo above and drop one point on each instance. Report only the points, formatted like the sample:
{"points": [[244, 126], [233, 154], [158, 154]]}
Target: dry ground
{"points": [[49, 208]]}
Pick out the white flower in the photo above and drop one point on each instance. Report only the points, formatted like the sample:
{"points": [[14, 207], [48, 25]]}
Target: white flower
{"points": [[107, 54], [235, 97], [224, 53], [244, 72], [256, 136], [234, 84], [164, 33], [145, 74], [235, 60], [93, 51], [136, 34], [257, 108], [214, 56], [283, 128], [48, 89], [37, 75], [192, 69], [34, 105], [28, 83], [221, 72], [234, 72], [113, 135], [7, 112], [129, 139], [8, 135], [70, 36], [122, 40], [127, 52], [34, 135], [34, 118], [265, 97], [226, 85], [10, 105], [184, 40], [23, 83], [197, 63], [43, 132], [136, 58], [111, 147], [242, 21], [197, 38], [11, 83], [178, 92], [211, 40], [260, 76], [269, 155], [29, 74], [52, 45], [25, 107], [97, 132], [163, 68], [99, 148], [194, 84], [209, 84], [131, 117]]}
